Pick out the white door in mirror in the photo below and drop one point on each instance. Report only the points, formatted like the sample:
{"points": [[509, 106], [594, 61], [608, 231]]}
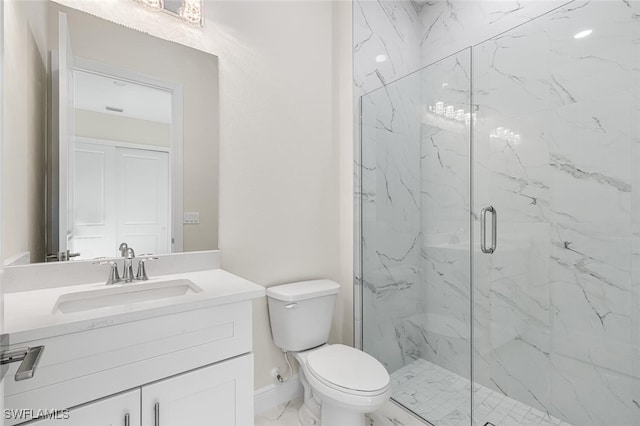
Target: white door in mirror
{"points": [[121, 194], [143, 204]]}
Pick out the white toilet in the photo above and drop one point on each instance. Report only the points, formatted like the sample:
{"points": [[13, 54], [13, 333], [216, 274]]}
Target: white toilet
{"points": [[341, 383]]}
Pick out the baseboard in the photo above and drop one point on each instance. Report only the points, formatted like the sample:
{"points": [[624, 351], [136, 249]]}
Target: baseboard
{"points": [[22, 258], [276, 394]]}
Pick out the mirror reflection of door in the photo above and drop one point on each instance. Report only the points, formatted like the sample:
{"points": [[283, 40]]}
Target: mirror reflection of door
{"points": [[121, 175]]}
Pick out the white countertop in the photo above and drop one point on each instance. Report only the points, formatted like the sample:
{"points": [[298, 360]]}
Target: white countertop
{"points": [[29, 315]]}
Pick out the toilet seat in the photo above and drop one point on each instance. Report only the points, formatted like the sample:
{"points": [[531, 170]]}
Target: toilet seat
{"points": [[348, 370], [339, 394]]}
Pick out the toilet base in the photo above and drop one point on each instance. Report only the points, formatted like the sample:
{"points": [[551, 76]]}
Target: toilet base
{"points": [[307, 418], [333, 415]]}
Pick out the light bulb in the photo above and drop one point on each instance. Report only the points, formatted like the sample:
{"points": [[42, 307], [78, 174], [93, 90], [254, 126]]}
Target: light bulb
{"points": [[191, 11], [583, 34], [153, 4]]}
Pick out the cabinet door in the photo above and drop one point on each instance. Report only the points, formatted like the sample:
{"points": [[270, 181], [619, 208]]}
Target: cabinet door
{"points": [[119, 410], [217, 395]]}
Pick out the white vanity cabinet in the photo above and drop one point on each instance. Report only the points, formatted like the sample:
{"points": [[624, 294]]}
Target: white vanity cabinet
{"points": [[118, 410], [190, 368], [220, 394]]}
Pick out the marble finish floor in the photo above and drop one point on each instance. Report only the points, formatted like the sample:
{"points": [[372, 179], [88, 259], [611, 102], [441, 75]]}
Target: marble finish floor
{"points": [[435, 394], [443, 398], [282, 415], [287, 415]]}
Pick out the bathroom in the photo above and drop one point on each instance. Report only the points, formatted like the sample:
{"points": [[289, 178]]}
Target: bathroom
{"points": [[492, 280]]}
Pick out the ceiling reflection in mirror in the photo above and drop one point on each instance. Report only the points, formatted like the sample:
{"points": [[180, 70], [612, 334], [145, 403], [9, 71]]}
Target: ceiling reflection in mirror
{"points": [[111, 136]]}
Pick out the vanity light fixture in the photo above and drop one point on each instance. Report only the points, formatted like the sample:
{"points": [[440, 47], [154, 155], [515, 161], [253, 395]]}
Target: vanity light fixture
{"points": [[190, 11], [505, 134], [451, 113], [152, 4], [583, 34]]}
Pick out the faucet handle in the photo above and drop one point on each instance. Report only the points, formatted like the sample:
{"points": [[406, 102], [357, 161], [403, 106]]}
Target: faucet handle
{"points": [[142, 271], [123, 248], [114, 276]]}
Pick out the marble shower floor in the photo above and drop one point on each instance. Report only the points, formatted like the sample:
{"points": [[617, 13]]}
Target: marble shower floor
{"points": [[443, 398]]}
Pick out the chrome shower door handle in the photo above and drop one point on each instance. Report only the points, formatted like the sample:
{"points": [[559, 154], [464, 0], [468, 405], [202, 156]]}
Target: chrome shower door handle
{"points": [[483, 230]]}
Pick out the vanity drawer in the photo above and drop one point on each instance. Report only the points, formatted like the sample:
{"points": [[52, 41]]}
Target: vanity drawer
{"points": [[102, 361]]}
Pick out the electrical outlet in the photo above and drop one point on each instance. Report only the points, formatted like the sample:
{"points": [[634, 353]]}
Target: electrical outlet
{"points": [[191, 217]]}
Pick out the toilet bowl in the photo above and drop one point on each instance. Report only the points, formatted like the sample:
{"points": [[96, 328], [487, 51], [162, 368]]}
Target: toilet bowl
{"points": [[344, 383], [340, 383]]}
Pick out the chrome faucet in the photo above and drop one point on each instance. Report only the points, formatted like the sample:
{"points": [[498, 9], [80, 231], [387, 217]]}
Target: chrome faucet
{"points": [[127, 274]]}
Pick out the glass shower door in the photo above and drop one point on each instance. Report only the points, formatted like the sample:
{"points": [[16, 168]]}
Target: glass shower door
{"points": [[556, 154], [415, 243]]}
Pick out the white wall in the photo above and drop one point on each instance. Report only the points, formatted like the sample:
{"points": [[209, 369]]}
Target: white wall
{"points": [[343, 113], [25, 80], [285, 153], [281, 157]]}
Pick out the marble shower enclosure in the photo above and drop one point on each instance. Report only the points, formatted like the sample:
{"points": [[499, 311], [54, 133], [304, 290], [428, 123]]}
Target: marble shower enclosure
{"points": [[391, 235], [556, 151], [392, 39]]}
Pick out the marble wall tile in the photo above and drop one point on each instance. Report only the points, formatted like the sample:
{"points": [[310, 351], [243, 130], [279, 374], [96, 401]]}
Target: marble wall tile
{"points": [[391, 237], [385, 49], [557, 307], [590, 395], [385, 42], [449, 26], [563, 189]]}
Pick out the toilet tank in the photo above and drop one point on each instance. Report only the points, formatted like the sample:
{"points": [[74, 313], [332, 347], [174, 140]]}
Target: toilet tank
{"points": [[301, 313]]}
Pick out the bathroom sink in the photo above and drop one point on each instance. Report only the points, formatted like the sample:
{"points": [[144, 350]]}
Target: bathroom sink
{"points": [[123, 294]]}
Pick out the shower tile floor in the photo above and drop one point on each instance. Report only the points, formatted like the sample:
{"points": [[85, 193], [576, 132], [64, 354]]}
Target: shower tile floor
{"points": [[443, 398]]}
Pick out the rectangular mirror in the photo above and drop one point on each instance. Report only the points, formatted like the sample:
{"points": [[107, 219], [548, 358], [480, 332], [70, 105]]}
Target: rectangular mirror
{"points": [[111, 136]]}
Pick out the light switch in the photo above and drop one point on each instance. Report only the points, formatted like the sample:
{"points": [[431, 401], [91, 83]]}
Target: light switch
{"points": [[191, 217]]}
